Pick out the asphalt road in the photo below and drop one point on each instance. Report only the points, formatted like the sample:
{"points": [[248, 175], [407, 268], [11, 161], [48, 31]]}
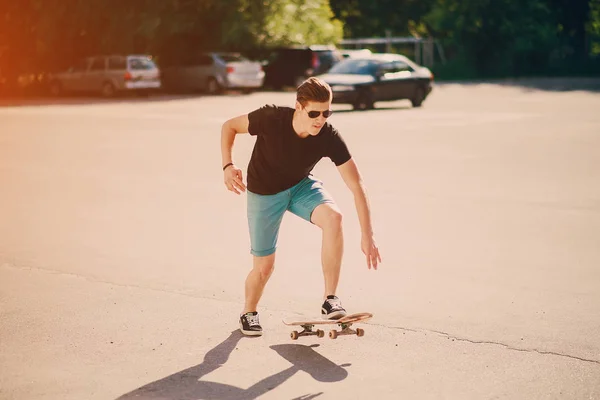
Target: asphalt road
{"points": [[123, 256]]}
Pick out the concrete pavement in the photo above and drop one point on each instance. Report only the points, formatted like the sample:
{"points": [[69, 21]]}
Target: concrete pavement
{"points": [[122, 256]]}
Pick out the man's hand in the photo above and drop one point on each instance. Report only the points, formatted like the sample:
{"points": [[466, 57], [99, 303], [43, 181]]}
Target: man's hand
{"points": [[233, 179], [369, 248]]}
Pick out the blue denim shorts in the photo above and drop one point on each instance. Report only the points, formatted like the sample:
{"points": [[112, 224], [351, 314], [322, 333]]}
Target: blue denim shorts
{"points": [[265, 212]]}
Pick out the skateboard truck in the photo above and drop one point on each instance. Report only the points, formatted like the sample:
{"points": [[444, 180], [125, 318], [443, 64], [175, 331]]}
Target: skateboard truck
{"points": [[307, 330], [345, 324], [346, 330]]}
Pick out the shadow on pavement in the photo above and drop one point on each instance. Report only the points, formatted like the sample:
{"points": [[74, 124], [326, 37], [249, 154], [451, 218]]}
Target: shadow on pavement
{"points": [[75, 100], [378, 107], [542, 84], [187, 384], [304, 358]]}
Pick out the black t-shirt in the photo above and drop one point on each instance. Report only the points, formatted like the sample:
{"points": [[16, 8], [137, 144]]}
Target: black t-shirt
{"points": [[281, 158]]}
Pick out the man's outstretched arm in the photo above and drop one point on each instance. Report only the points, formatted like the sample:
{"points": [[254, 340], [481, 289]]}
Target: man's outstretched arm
{"points": [[351, 176], [233, 178]]}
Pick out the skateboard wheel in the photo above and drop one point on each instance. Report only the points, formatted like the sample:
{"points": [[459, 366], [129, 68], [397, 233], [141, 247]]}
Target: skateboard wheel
{"points": [[333, 334], [360, 332], [320, 333], [294, 335]]}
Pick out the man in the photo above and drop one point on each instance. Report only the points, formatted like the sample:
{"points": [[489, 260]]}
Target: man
{"points": [[290, 142]]}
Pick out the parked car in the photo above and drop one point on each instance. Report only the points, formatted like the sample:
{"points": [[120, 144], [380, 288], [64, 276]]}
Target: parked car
{"points": [[211, 72], [108, 75], [363, 81], [290, 66]]}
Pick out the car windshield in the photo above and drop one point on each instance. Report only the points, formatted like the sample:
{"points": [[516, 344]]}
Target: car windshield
{"points": [[141, 64], [354, 67]]}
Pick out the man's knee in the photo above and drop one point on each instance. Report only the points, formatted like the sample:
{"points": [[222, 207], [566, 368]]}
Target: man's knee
{"points": [[327, 216], [265, 265], [333, 220]]}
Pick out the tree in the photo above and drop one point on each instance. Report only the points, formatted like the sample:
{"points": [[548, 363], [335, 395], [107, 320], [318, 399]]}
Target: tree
{"points": [[282, 22], [593, 28], [496, 36], [377, 17], [572, 18], [55, 32]]}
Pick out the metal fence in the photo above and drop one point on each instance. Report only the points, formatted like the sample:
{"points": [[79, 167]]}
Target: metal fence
{"points": [[425, 51]]}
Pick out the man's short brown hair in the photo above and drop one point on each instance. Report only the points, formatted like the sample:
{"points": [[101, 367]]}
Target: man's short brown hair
{"points": [[315, 90]]}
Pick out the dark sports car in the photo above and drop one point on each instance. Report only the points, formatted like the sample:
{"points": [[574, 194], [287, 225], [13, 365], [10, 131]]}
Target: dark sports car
{"points": [[378, 77]]}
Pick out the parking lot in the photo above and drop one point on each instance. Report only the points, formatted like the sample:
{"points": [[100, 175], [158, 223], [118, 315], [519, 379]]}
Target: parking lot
{"points": [[123, 256]]}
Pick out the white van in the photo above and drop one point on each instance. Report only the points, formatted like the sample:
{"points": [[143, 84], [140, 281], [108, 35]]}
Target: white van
{"points": [[108, 75]]}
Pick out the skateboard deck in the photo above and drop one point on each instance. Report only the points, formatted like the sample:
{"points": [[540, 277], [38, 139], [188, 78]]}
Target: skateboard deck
{"points": [[345, 324]]}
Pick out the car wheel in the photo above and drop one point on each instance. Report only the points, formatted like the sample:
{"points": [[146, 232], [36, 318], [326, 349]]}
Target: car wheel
{"points": [[212, 86], [364, 101], [418, 97], [108, 90]]}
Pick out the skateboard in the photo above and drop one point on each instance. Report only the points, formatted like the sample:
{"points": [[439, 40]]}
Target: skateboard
{"points": [[345, 324]]}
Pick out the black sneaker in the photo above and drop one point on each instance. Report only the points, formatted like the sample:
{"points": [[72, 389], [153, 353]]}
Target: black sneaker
{"points": [[249, 324], [332, 308]]}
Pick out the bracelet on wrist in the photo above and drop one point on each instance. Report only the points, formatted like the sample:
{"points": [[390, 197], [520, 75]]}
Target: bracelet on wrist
{"points": [[227, 165]]}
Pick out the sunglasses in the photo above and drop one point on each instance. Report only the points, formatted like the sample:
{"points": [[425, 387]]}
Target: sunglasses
{"points": [[315, 114]]}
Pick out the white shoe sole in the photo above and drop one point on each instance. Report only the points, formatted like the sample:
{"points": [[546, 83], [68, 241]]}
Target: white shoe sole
{"points": [[250, 333], [334, 315]]}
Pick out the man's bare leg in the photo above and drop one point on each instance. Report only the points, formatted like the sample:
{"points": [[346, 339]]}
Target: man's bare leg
{"points": [[329, 219], [257, 279]]}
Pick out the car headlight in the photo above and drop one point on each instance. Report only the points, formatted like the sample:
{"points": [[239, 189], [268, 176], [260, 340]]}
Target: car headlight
{"points": [[342, 88]]}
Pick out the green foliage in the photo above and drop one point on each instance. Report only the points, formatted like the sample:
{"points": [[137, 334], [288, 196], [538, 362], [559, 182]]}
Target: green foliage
{"points": [[495, 36], [487, 38], [378, 17], [302, 22], [282, 22], [53, 33], [593, 28], [481, 38]]}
